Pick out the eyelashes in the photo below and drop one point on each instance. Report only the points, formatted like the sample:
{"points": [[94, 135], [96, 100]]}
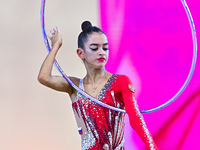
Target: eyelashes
{"points": [[95, 49], [105, 49]]}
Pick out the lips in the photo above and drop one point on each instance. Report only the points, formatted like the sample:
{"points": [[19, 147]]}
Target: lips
{"points": [[101, 59]]}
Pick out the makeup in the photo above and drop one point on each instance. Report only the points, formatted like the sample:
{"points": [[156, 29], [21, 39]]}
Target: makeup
{"points": [[95, 47], [101, 59]]}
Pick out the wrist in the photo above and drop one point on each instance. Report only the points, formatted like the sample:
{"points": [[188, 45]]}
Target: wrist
{"points": [[56, 46]]}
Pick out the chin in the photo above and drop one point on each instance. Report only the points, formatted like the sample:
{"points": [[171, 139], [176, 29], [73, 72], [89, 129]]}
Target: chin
{"points": [[100, 67]]}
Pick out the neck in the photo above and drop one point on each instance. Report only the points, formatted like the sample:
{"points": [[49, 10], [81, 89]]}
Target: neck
{"points": [[93, 75]]}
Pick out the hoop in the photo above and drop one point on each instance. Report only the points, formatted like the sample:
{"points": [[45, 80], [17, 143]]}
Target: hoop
{"points": [[194, 58]]}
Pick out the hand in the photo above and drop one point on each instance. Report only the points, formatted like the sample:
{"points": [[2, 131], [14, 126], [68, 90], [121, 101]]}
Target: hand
{"points": [[55, 37]]}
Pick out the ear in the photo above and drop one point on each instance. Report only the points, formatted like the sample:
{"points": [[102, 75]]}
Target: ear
{"points": [[80, 53]]}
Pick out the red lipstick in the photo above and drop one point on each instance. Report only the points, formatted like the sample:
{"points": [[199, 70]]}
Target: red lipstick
{"points": [[101, 59]]}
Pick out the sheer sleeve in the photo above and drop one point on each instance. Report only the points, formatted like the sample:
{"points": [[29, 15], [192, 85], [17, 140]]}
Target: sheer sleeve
{"points": [[135, 117]]}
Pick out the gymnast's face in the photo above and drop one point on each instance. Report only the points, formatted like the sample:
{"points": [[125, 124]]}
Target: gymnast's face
{"points": [[96, 50]]}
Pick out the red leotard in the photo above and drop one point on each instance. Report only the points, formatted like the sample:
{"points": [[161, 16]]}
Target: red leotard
{"points": [[104, 128]]}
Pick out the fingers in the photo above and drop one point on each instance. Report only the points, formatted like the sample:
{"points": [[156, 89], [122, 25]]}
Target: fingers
{"points": [[49, 36], [58, 30], [53, 32]]}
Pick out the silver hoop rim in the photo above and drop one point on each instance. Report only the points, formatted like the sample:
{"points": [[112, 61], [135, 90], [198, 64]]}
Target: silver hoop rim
{"points": [[194, 37]]}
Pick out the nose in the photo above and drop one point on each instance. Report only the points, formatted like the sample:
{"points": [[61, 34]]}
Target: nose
{"points": [[101, 51]]}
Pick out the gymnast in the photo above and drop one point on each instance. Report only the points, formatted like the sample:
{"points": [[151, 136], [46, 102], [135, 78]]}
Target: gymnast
{"points": [[100, 128]]}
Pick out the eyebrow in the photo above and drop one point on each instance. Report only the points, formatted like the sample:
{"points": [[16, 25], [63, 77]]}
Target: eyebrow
{"points": [[93, 44]]}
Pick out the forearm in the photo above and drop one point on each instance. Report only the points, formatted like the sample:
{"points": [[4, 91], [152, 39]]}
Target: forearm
{"points": [[46, 68], [138, 124]]}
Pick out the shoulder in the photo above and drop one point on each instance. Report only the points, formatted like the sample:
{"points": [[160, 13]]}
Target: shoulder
{"points": [[76, 81], [124, 83], [123, 78]]}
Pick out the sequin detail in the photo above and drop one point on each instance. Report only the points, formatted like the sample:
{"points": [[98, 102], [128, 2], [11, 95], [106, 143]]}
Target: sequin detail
{"points": [[147, 134], [104, 127]]}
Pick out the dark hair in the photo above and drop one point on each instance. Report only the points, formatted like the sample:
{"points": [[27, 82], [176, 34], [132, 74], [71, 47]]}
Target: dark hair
{"points": [[87, 29]]}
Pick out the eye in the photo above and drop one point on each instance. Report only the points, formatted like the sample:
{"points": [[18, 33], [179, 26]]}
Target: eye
{"points": [[105, 49], [94, 49]]}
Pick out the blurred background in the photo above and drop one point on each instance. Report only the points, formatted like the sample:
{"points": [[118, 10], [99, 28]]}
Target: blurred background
{"points": [[150, 41]]}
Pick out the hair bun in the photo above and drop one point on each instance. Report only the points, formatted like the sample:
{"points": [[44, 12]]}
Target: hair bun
{"points": [[86, 25]]}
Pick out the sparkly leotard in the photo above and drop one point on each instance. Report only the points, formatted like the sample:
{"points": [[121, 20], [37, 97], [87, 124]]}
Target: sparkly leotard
{"points": [[104, 128]]}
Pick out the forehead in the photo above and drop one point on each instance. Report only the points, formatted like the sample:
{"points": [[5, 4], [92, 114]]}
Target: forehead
{"points": [[97, 38]]}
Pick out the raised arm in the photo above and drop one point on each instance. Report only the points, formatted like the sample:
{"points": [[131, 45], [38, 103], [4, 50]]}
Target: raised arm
{"points": [[135, 117], [45, 76]]}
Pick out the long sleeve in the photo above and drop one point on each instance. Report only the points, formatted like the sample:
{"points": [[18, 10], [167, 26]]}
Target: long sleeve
{"points": [[135, 117]]}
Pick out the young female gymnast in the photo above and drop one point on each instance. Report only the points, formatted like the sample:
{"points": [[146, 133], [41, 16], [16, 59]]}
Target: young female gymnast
{"points": [[100, 128]]}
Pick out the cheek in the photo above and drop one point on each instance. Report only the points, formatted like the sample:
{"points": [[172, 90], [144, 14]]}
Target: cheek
{"points": [[107, 53], [91, 55]]}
